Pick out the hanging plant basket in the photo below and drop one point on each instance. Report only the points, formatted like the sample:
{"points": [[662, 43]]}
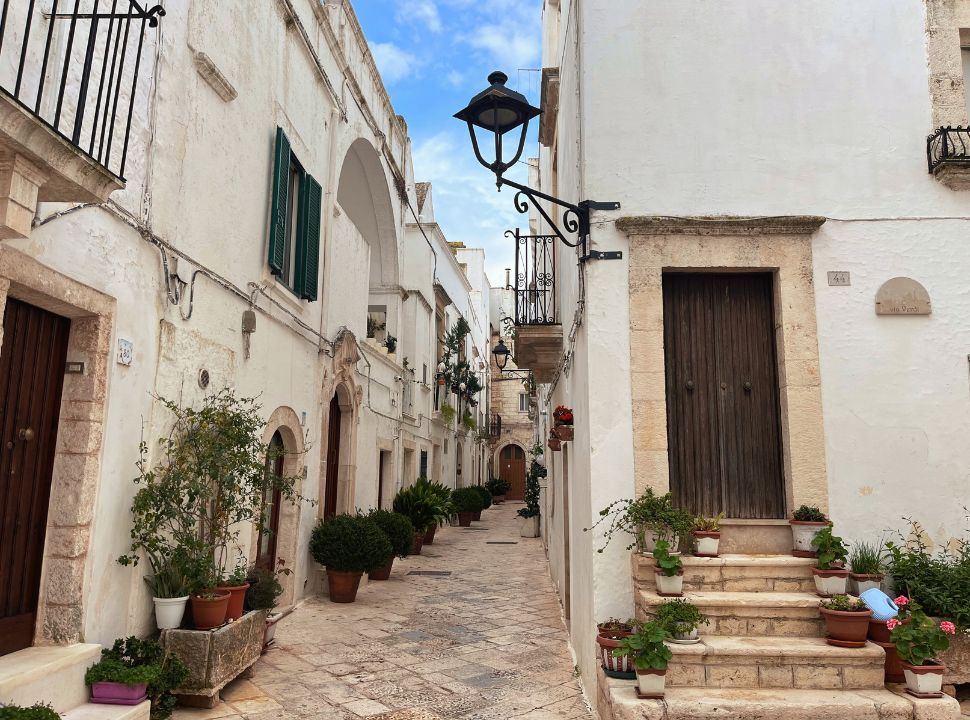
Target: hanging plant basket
{"points": [[555, 444], [563, 432]]}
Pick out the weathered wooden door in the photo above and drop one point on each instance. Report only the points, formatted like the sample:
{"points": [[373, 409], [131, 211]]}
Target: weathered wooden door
{"points": [[513, 470], [272, 499], [723, 428], [333, 460], [31, 379]]}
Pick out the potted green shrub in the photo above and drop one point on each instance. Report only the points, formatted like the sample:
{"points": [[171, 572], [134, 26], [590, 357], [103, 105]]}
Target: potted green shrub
{"points": [[486, 500], [650, 658], [865, 566], [264, 591], [806, 522], [114, 683], [530, 513], [707, 535], [919, 642], [681, 619], [669, 571], [498, 487], [831, 577], [439, 496], [608, 636], [348, 546], [423, 508], [209, 608], [399, 531], [141, 667], [169, 584], [846, 621], [34, 712], [467, 502]]}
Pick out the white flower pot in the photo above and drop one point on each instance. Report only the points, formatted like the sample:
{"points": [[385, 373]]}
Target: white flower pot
{"points": [[691, 638], [707, 546], [831, 584], [669, 585], [858, 585], [649, 541], [529, 527], [803, 533], [923, 683], [651, 683], [169, 612]]}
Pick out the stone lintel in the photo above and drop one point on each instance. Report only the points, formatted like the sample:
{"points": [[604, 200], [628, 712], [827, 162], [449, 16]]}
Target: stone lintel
{"points": [[732, 225]]}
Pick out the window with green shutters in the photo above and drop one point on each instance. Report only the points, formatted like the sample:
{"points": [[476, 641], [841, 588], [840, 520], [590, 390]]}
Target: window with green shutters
{"points": [[294, 227]]}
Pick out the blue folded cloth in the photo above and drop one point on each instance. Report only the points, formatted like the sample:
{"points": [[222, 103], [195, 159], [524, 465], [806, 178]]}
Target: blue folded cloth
{"points": [[882, 606]]}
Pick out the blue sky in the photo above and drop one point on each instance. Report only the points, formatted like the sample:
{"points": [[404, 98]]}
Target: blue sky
{"points": [[434, 55]]}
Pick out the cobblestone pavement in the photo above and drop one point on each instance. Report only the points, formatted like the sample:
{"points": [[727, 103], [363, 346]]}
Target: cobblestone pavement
{"points": [[485, 643]]}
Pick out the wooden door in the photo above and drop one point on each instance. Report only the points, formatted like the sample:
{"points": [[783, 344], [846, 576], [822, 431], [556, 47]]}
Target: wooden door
{"points": [[333, 460], [513, 470], [272, 499], [31, 379], [723, 426]]}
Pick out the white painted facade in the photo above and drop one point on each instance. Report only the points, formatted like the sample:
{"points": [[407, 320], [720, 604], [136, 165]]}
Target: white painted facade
{"points": [[181, 253], [761, 108]]}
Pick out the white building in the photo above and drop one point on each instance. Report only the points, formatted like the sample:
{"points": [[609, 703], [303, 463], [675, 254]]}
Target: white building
{"points": [[755, 149], [260, 240]]}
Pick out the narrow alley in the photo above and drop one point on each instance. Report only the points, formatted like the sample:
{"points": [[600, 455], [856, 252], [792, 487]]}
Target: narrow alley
{"points": [[486, 641]]}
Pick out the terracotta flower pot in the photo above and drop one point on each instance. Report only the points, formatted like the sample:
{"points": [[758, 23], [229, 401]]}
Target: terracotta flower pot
{"points": [[237, 597], [846, 628], [429, 534], [477, 516], [707, 543], [830, 582], [563, 432], [112, 693], [206, 613], [465, 519], [383, 572], [924, 681], [614, 634], [343, 585], [650, 683], [555, 444], [612, 664], [893, 666], [497, 499], [878, 632], [803, 533], [418, 543]]}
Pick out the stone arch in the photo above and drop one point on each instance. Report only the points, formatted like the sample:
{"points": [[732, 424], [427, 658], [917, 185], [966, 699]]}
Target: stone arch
{"points": [[286, 422], [497, 453], [363, 192]]}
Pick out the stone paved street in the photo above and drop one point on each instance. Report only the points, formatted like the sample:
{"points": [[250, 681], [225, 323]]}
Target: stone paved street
{"points": [[485, 643]]}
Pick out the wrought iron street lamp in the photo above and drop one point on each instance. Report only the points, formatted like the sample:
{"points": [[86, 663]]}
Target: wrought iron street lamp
{"points": [[501, 353], [499, 110]]}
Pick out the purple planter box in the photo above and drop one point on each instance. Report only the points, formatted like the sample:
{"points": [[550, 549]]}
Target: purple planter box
{"points": [[112, 693]]}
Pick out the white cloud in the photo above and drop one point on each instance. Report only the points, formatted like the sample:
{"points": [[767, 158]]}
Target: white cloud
{"points": [[393, 62], [511, 49], [424, 11], [455, 79]]}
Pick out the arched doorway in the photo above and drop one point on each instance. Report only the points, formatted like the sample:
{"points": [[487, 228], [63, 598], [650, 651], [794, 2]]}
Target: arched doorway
{"points": [[272, 500], [512, 469], [333, 460]]}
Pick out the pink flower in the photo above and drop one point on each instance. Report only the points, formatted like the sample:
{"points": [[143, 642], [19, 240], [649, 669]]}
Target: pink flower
{"points": [[891, 623], [902, 601], [948, 627]]}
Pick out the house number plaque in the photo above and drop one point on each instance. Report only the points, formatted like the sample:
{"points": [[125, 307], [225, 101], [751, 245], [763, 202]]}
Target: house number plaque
{"points": [[902, 296]]}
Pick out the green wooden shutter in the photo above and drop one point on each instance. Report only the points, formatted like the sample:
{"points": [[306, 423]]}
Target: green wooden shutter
{"points": [[278, 215], [309, 238]]}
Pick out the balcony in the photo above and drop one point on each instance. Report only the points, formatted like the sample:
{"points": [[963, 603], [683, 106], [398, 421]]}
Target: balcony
{"points": [[69, 88], [538, 334], [948, 156]]}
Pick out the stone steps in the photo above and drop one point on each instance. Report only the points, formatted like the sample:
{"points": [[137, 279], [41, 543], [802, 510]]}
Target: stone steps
{"points": [[774, 662], [748, 614], [53, 675], [90, 711], [617, 699], [735, 573]]}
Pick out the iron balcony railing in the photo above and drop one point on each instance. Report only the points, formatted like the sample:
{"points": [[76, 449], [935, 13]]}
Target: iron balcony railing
{"points": [[77, 68], [947, 144], [535, 279], [495, 427]]}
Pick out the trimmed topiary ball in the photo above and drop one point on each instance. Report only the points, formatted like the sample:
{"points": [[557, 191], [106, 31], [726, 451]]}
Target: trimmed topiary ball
{"points": [[397, 527], [485, 495], [350, 543]]}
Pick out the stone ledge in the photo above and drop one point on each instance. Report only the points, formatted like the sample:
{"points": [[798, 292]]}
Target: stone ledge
{"points": [[720, 225]]}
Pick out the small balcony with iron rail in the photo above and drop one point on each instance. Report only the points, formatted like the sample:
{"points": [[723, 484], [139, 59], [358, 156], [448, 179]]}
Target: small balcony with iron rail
{"points": [[495, 427], [73, 74], [948, 156], [538, 330]]}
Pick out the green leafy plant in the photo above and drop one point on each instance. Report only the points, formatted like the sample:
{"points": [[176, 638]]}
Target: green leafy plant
{"points": [[447, 413], [646, 647], [614, 626], [168, 579], [390, 342], [192, 506], [398, 529], [171, 672], [679, 617], [832, 551], [438, 495], [809, 514], [498, 486], [419, 507], [866, 558], [706, 524], [939, 581], [265, 587], [532, 491], [373, 326], [468, 422], [34, 712], [485, 495], [669, 565], [844, 603], [922, 638], [349, 543], [648, 513], [115, 671], [466, 500]]}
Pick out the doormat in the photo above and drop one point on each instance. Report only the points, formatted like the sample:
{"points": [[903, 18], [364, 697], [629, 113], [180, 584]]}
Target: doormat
{"points": [[435, 573]]}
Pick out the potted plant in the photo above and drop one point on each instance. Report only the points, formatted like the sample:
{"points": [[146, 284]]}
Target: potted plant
{"points": [[608, 636], [114, 683], [846, 621], [34, 712], [806, 522], [865, 565], [209, 608], [707, 535], [530, 513], [447, 413], [919, 642], [265, 589], [669, 571], [348, 546], [554, 443], [563, 415], [650, 657], [831, 577], [235, 584], [498, 487], [681, 620], [467, 502], [169, 672], [486, 500], [170, 591], [399, 531], [438, 496], [421, 508], [616, 628]]}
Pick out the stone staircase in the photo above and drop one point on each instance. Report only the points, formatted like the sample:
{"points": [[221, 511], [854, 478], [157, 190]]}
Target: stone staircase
{"points": [[763, 654], [55, 675]]}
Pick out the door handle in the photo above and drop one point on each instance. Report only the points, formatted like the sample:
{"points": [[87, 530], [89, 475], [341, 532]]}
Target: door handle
{"points": [[26, 434], [747, 386], [690, 386]]}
